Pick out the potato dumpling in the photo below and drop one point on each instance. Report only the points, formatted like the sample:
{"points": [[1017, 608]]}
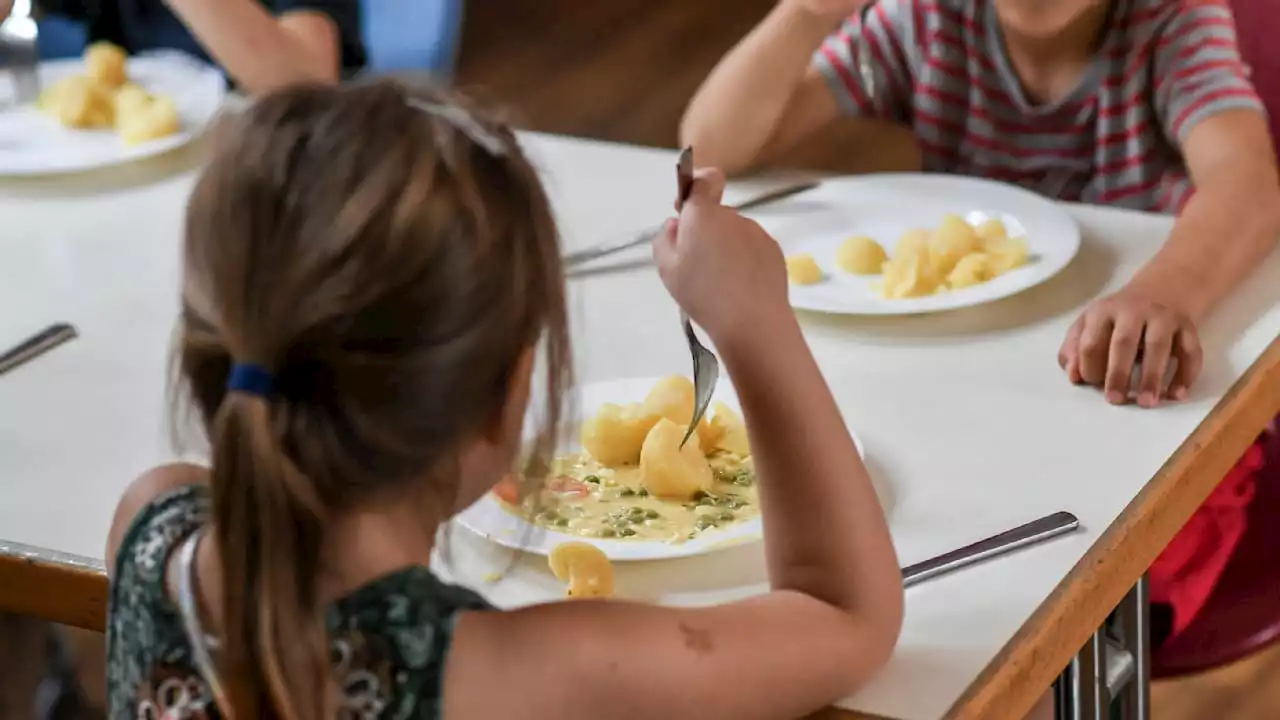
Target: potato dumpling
{"points": [[953, 240], [730, 431], [971, 270], [671, 398], [148, 121], [802, 269], [105, 63], [615, 435], [912, 241], [860, 256], [131, 97], [910, 273], [669, 471], [78, 102], [584, 567], [1007, 255], [992, 230]]}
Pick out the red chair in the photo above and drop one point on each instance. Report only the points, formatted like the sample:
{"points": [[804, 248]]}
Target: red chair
{"points": [[1242, 615]]}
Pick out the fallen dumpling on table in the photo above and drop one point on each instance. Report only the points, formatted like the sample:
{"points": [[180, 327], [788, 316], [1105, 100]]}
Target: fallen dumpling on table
{"points": [[953, 256], [585, 569], [103, 97]]}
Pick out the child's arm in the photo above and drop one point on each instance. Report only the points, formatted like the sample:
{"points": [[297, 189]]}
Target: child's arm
{"points": [[1211, 111], [773, 90], [260, 51], [834, 614]]}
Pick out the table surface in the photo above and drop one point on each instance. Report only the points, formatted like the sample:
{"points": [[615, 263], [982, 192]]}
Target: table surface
{"points": [[969, 426]]}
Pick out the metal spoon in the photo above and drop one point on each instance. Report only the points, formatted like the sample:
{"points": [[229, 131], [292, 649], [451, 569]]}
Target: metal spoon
{"points": [[706, 368]]}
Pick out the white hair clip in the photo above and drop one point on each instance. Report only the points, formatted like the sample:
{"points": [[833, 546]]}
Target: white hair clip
{"points": [[463, 121]]}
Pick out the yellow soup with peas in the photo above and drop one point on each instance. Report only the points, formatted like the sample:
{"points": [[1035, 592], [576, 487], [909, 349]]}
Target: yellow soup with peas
{"points": [[584, 498]]}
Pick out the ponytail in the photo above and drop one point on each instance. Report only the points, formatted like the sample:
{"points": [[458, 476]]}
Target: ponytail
{"points": [[268, 522]]}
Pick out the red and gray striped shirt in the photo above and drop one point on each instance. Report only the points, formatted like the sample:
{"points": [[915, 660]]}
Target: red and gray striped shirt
{"points": [[940, 66]]}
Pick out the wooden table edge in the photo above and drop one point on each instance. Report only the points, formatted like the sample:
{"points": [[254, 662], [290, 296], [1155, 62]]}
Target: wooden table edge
{"points": [[73, 590], [1041, 649]]}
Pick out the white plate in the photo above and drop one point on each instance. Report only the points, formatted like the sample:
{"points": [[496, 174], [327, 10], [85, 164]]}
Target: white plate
{"points": [[32, 143], [488, 519], [883, 207]]}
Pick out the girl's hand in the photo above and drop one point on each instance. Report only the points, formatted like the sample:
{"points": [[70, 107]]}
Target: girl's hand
{"points": [[723, 269]]}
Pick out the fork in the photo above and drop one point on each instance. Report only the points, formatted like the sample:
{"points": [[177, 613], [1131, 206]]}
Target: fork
{"points": [[706, 368], [18, 35]]}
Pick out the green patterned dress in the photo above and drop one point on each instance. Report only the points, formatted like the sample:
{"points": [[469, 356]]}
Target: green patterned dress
{"points": [[388, 639]]}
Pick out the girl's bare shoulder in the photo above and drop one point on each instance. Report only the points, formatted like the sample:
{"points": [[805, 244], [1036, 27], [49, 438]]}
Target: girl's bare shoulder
{"points": [[149, 486]]}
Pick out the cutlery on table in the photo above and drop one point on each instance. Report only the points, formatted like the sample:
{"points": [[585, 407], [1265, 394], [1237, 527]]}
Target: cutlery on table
{"points": [[706, 368], [1033, 533], [579, 257], [18, 51], [36, 345]]}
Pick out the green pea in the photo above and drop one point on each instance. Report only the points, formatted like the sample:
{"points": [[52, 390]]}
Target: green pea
{"points": [[642, 492], [608, 533], [726, 516], [652, 514], [627, 492], [562, 522], [627, 532], [593, 479]]}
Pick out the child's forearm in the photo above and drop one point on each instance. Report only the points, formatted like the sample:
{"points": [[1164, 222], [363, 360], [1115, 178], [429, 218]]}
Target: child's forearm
{"points": [[736, 111], [254, 47], [1218, 240], [825, 530]]}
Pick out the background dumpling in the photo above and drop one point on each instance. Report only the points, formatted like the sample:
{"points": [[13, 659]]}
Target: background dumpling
{"points": [[953, 240], [860, 256], [802, 269], [106, 64]]}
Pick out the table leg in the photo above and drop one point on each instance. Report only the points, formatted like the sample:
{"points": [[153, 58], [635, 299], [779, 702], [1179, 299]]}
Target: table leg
{"points": [[1090, 697], [1135, 635], [1109, 668]]}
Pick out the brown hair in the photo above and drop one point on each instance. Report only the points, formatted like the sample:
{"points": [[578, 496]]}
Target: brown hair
{"points": [[388, 269]]}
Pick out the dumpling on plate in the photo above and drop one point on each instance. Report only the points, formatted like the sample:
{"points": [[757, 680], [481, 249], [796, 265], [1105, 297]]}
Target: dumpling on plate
{"points": [[105, 63], [669, 471]]}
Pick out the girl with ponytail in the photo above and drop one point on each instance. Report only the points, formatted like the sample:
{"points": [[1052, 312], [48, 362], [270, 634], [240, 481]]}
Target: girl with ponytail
{"points": [[367, 273]]}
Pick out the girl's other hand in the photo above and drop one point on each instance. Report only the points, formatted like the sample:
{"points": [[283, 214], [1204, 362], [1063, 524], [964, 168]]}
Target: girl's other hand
{"points": [[723, 269]]}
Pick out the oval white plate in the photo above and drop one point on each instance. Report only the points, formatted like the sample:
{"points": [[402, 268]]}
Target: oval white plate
{"points": [[488, 519], [883, 207], [32, 143]]}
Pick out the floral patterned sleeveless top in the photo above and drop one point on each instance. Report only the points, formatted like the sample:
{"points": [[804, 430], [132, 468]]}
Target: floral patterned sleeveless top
{"points": [[388, 639]]}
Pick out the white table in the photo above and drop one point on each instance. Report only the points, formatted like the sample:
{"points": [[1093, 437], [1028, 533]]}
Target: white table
{"points": [[969, 426]]}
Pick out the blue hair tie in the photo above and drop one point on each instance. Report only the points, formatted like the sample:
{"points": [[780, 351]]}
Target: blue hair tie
{"points": [[251, 378]]}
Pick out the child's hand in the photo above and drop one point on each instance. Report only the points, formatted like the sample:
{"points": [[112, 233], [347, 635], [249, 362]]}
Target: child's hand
{"points": [[723, 269], [1126, 329]]}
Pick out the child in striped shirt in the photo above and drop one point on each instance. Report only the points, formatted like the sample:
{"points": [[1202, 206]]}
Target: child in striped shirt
{"points": [[1143, 104]]}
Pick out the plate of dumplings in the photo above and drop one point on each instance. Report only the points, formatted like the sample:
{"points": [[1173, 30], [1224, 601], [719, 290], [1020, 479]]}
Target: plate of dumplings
{"points": [[910, 243], [106, 108]]}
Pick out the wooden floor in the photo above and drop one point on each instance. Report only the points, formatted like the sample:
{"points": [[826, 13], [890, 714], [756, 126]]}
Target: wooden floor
{"points": [[623, 70]]}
